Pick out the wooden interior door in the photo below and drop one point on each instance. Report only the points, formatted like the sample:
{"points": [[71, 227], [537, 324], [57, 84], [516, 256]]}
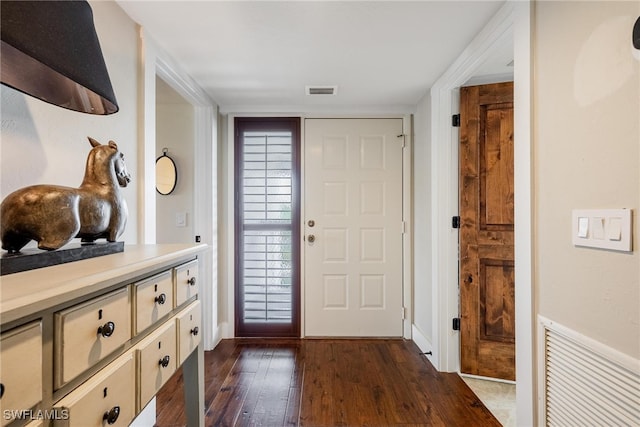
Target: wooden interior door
{"points": [[487, 306]]}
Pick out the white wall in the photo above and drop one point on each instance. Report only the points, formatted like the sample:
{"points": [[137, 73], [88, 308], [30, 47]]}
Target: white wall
{"points": [[423, 289], [586, 155], [44, 144], [175, 131]]}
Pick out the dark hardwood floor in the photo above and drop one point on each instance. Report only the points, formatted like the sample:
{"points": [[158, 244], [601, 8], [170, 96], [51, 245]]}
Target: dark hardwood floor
{"points": [[328, 382]]}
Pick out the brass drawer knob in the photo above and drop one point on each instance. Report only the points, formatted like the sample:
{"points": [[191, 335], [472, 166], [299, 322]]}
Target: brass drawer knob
{"points": [[112, 415], [195, 331], [164, 362], [161, 299], [107, 329], [191, 281]]}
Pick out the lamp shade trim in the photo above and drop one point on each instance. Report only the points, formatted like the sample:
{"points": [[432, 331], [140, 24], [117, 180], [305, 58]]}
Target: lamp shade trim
{"points": [[50, 50]]}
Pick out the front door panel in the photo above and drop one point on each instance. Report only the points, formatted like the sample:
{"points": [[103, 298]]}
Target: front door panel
{"points": [[353, 244]]}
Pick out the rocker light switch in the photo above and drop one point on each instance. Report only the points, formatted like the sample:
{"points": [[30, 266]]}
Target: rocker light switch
{"points": [[583, 227], [614, 229], [598, 228]]}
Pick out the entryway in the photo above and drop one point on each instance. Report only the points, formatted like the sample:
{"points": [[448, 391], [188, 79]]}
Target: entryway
{"points": [[352, 228]]}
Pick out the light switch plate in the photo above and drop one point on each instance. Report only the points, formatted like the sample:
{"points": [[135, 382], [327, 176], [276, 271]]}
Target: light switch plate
{"points": [[602, 228], [181, 219]]}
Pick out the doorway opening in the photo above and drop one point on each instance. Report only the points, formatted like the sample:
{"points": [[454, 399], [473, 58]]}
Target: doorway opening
{"points": [[175, 133], [267, 227]]}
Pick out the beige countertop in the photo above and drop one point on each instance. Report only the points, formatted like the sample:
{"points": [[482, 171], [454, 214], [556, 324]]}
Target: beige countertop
{"points": [[28, 292]]}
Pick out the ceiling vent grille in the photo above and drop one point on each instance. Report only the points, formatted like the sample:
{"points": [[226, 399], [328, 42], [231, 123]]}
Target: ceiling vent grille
{"points": [[322, 90]]}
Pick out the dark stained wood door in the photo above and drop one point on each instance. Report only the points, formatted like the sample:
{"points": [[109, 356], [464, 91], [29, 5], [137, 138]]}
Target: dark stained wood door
{"points": [[487, 306]]}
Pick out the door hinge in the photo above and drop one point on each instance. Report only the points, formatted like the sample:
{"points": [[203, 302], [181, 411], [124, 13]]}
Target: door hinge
{"points": [[404, 139], [455, 222], [404, 227], [404, 313], [455, 120], [456, 324]]}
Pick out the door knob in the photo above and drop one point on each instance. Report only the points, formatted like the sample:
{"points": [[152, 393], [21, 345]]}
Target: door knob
{"points": [[311, 238]]}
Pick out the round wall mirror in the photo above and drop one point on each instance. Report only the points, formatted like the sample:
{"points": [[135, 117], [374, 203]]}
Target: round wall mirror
{"points": [[166, 174]]}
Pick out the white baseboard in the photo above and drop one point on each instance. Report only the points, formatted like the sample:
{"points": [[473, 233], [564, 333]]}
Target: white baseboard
{"points": [[423, 343]]}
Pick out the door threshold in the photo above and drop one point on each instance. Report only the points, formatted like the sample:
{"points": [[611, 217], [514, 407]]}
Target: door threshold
{"points": [[480, 377]]}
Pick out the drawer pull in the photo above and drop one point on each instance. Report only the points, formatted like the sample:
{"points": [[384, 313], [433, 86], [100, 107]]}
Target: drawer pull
{"points": [[112, 415], [164, 362], [161, 299], [1, 390], [191, 281], [195, 331], [107, 329]]}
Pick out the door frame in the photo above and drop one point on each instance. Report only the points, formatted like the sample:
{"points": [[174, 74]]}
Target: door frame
{"points": [[512, 20], [156, 62], [227, 324]]}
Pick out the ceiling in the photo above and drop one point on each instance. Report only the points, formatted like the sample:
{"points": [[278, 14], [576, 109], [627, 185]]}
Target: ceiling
{"points": [[260, 55]]}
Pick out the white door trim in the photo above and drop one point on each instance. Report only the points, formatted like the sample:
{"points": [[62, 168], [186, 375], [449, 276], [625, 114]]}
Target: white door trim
{"points": [[157, 63], [512, 20]]}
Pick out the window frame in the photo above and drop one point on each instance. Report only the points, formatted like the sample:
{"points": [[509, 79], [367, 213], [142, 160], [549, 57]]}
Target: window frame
{"points": [[267, 124]]}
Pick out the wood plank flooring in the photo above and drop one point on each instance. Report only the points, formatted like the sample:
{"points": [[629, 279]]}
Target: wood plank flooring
{"points": [[328, 382]]}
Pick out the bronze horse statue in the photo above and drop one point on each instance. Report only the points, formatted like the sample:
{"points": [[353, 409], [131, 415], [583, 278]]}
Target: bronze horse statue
{"points": [[54, 215]]}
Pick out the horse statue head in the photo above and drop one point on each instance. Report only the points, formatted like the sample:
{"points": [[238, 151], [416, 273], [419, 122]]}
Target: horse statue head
{"points": [[106, 161]]}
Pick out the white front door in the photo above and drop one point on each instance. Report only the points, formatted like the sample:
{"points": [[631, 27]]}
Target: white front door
{"points": [[353, 227]]}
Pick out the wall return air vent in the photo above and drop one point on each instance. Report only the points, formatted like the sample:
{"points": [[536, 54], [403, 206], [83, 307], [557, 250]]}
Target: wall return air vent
{"points": [[321, 90]]}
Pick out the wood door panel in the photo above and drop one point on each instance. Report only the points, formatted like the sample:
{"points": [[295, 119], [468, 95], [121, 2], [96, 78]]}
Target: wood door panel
{"points": [[497, 322], [503, 357], [487, 281], [496, 168]]}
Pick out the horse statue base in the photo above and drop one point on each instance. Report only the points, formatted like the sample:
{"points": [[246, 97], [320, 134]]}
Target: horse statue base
{"points": [[33, 258]]}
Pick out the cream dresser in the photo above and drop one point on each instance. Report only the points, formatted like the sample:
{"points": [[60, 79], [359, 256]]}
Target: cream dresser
{"points": [[89, 343]]}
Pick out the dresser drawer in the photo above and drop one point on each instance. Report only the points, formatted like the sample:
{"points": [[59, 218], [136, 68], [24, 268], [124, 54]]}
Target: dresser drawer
{"points": [[20, 369], [189, 330], [156, 356], [107, 398], [154, 300], [187, 284], [86, 333]]}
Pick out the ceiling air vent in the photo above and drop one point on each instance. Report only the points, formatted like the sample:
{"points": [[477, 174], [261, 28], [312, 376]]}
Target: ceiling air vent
{"points": [[322, 90]]}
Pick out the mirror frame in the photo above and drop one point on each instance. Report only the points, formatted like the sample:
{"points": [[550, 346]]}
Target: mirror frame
{"points": [[175, 173]]}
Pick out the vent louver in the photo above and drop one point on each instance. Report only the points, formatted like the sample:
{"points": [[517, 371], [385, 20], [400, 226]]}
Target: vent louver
{"points": [[322, 90]]}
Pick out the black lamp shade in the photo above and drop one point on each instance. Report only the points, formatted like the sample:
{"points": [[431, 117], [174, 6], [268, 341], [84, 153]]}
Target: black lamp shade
{"points": [[50, 50]]}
